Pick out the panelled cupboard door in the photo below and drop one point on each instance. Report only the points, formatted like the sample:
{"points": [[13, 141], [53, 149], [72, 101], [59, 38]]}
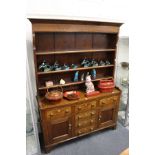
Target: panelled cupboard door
{"points": [[59, 129], [107, 111]]}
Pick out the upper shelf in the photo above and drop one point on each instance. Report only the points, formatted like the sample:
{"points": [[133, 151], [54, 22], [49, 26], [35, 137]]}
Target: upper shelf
{"points": [[77, 51], [82, 68]]}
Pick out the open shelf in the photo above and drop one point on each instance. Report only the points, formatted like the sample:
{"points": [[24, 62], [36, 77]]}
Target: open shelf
{"points": [[76, 51], [72, 83], [77, 69]]}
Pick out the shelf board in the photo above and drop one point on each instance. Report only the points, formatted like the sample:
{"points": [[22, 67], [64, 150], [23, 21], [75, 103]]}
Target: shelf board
{"points": [[77, 51], [77, 69], [71, 83]]}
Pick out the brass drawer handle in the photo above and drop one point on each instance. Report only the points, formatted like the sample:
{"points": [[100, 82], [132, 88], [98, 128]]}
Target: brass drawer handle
{"points": [[93, 113], [79, 117], [92, 105], [67, 111]]}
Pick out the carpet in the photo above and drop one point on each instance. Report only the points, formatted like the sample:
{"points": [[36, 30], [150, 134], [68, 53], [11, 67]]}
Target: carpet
{"points": [[105, 142]]}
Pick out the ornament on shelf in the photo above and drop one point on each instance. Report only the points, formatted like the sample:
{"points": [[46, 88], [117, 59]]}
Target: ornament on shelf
{"points": [[102, 63], [82, 77], [45, 67], [107, 62], [73, 66], [93, 63], [49, 83], [65, 67], [85, 63], [62, 82], [56, 66], [93, 74], [89, 85], [76, 76]]}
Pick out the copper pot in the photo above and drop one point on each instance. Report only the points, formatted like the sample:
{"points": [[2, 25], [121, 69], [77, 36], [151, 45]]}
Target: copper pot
{"points": [[54, 95]]}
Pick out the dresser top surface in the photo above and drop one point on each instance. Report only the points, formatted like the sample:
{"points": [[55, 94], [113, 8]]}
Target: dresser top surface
{"points": [[45, 104]]}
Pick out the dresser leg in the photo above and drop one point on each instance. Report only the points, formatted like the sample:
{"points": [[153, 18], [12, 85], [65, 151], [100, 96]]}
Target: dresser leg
{"points": [[114, 127], [47, 149]]}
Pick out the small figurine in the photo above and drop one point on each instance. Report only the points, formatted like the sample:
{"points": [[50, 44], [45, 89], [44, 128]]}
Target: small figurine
{"points": [[73, 66], [93, 63], [56, 66], [43, 65], [93, 74], [49, 83], [85, 63], [65, 67], [89, 85], [107, 62], [76, 76], [62, 81], [82, 77], [102, 63], [47, 68], [87, 74]]}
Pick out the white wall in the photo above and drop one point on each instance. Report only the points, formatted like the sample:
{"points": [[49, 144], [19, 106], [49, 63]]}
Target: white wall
{"points": [[105, 10]]}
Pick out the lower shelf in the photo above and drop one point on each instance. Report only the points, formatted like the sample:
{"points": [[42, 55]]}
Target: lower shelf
{"points": [[71, 83]]}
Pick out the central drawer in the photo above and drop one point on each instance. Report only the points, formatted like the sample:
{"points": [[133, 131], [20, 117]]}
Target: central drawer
{"points": [[85, 123], [85, 115], [85, 130]]}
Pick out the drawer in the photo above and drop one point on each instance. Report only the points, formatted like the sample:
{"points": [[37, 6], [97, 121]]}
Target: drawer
{"points": [[110, 100], [58, 112], [85, 106], [85, 130], [85, 123], [87, 114]]}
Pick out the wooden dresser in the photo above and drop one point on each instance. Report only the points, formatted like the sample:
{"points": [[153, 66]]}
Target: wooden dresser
{"points": [[68, 42]]}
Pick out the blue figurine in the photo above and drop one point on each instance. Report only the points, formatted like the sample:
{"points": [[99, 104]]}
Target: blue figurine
{"points": [[93, 74], [76, 75], [107, 62], [56, 66], [102, 63], [73, 66], [65, 67]]}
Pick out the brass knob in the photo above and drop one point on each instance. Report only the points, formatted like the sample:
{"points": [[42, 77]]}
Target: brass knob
{"points": [[79, 108], [79, 124], [70, 126], [79, 117], [91, 128], [91, 121], [59, 110], [93, 113], [79, 132]]}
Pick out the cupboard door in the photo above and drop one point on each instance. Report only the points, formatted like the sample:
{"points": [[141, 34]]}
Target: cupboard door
{"points": [[107, 113], [59, 129]]}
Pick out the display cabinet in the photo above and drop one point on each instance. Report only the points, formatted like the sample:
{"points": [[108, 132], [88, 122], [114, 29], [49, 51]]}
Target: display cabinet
{"points": [[63, 48]]}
